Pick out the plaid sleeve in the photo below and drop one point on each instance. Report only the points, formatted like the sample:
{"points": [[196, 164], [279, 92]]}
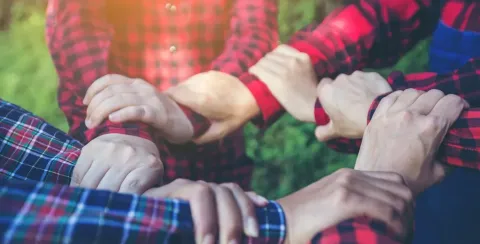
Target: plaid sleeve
{"points": [[360, 34], [360, 230], [79, 38], [31, 149], [46, 213], [253, 33], [461, 146]]}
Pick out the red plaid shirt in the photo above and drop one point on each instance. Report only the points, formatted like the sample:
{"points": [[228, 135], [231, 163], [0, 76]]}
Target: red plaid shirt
{"points": [[163, 42], [375, 34], [375, 48]]}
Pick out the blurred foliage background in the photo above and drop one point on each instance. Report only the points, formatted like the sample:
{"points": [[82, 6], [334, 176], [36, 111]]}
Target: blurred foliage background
{"points": [[287, 155]]}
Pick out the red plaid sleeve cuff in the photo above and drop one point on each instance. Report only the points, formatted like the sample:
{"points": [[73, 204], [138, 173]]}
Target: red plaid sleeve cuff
{"points": [[200, 123], [362, 230], [269, 107], [133, 129]]}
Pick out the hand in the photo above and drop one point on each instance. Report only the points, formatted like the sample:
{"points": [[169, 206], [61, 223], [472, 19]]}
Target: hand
{"points": [[123, 99], [405, 133], [225, 209], [221, 98], [343, 195], [347, 100], [290, 76], [117, 162]]}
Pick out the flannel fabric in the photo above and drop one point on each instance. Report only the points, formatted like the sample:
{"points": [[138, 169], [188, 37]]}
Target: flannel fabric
{"points": [[38, 206], [164, 43]]}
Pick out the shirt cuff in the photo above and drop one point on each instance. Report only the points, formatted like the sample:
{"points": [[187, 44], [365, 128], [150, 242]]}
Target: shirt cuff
{"points": [[269, 107], [199, 122], [321, 117], [133, 129], [358, 230], [374, 105], [272, 223]]}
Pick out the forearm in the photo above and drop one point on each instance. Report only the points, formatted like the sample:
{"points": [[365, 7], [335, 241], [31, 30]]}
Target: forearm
{"points": [[460, 146], [355, 36], [79, 38], [53, 213], [31, 149]]}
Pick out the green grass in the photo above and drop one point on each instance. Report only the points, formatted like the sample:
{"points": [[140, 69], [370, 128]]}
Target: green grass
{"points": [[287, 155]]}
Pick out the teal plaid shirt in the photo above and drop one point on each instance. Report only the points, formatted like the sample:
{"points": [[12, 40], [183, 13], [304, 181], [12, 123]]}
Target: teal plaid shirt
{"points": [[38, 206]]}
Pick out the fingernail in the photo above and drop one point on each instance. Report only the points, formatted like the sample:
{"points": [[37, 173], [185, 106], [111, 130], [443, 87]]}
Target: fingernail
{"points": [[233, 242], [261, 200], [251, 228], [88, 123], [208, 239]]}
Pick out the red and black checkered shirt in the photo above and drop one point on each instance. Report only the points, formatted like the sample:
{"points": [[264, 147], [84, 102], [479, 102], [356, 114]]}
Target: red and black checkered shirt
{"points": [[375, 34], [163, 42]]}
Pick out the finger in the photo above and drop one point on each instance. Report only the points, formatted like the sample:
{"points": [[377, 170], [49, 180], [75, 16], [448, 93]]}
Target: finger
{"points": [[426, 102], [140, 180], [449, 108], [204, 211], [81, 168], [279, 58], [325, 132], [102, 83], [322, 86], [265, 72], [286, 50], [110, 91], [111, 105], [247, 208], [184, 95], [132, 113], [386, 103], [167, 190], [229, 216], [257, 199], [215, 132], [439, 172], [378, 210], [94, 175], [113, 179], [407, 98]]}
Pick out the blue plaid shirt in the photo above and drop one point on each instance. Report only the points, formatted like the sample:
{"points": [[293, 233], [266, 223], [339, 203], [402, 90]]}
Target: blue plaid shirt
{"points": [[38, 206]]}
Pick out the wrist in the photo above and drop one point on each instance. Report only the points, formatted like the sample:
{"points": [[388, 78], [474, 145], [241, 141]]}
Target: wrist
{"points": [[137, 141], [177, 129], [288, 212]]}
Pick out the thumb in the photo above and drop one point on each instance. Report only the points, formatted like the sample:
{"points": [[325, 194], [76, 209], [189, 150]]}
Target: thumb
{"points": [[325, 132], [325, 82], [183, 95], [439, 171], [217, 131]]}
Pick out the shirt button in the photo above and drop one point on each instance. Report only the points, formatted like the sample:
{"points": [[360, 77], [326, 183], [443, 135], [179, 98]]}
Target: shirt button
{"points": [[172, 48], [170, 7]]}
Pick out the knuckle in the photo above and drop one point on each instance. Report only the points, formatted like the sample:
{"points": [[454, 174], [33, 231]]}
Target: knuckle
{"points": [[134, 183], [409, 196], [437, 92], [341, 77], [341, 196], [153, 162], [202, 189], [180, 181], [357, 73], [454, 99], [397, 178], [406, 115], [231, 185]]}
